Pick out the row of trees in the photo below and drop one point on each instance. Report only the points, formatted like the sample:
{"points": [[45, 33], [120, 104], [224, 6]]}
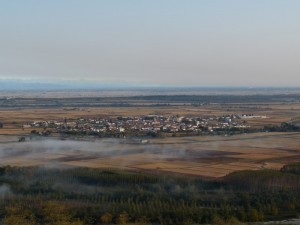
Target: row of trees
{"points": [[74, 196], [283, 127]]}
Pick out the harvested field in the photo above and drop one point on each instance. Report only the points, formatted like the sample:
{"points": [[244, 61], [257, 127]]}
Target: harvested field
{"points": [[207, 156]]}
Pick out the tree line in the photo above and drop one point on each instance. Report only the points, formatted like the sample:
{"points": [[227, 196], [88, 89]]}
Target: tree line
{"points": [[37, 195]]}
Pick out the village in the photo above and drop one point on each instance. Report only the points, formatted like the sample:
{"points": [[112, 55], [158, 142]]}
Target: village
{"points": [[149, 125]]}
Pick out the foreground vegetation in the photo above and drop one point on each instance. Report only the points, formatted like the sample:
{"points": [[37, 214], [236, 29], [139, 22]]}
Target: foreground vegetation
{"points": [[35, 195]]}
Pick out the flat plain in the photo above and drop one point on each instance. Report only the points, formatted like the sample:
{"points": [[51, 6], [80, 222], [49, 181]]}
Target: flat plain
{"points": [[205, 156]]}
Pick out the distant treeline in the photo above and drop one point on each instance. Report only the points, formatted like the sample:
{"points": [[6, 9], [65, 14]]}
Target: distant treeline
{"points": [[34, 195], [219, 98], [151, 134], [283, 127], [152, 100]]}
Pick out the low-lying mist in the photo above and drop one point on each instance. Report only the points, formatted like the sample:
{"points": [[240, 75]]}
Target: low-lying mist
{"points": [[69, 150]]}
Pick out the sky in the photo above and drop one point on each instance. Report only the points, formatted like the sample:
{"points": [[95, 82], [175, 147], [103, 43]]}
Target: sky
{"points": [[157, 42]]}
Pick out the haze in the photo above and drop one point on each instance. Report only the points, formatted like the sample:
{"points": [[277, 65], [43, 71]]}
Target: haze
{"points": [[169, 42]]}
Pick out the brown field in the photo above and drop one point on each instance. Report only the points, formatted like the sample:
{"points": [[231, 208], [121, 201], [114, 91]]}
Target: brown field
{"points": [[207, 156], [276, 113], [210, 156]]}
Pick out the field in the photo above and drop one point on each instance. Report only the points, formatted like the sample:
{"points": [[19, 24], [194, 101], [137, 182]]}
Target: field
{"points": [[206, 156], [208, 178], [276, 113]]}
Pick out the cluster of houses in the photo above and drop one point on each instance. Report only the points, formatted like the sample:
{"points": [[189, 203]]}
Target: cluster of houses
{"points": [[147, 124]]}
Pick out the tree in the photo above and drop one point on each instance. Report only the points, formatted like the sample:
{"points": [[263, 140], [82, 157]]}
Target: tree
{"points": [[57, 213], [123, 218], [253, 215], [216, 220], [19, 216], [233, 221], [106, 218]]}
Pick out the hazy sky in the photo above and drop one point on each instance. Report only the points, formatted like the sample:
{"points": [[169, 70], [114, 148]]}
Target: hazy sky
{"points": [[180, 42]]}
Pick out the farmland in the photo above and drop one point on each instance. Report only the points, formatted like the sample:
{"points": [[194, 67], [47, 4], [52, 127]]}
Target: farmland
{"points": [[175, 178], [204, 156]]}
